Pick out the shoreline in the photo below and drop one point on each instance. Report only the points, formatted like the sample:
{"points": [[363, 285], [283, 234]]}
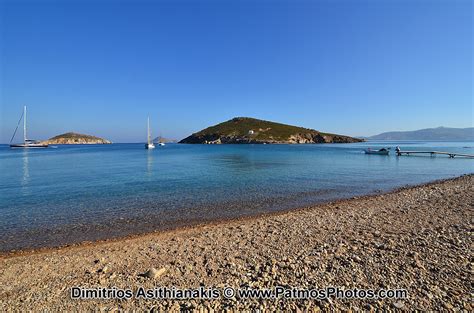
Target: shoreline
{"points": [[215, 222], [416, 238]]}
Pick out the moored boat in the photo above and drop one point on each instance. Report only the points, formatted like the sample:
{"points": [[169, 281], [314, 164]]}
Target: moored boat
{"points": [[27, 143], [382, 151], [149, 144]]}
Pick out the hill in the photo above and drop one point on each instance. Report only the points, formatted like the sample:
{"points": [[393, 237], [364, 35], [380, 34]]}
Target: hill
{"points": [[251, 130], [439, 133], [75, 139]]}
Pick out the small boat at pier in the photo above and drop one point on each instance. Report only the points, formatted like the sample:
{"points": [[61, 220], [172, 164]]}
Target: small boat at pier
{"points": [[383, 151]]}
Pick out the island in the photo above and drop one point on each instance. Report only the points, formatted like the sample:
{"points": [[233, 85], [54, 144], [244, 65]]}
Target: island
{"points": [[246, 130], [76, 139], [164, 140]]}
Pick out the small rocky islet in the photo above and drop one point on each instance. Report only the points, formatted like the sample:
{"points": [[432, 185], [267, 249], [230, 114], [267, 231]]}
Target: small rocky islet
{"points": [[72, 138]]}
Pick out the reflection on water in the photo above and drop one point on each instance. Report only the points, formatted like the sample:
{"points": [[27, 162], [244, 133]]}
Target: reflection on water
{"points": [[149, 162], [26, 172]]}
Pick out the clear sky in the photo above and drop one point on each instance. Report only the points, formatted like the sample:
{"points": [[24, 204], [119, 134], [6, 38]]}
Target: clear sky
{"points": [[349, 67]]}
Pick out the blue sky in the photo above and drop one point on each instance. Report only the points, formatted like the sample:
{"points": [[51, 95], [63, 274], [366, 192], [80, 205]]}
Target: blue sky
{"points": [[349, 67]]}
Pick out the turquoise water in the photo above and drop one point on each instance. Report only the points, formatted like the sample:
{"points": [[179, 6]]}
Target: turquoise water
{"points": [[68, 194]]}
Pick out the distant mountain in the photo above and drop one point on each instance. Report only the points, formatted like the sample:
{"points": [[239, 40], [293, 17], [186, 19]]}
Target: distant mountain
{"points": [[439, 133], [251, 130], [75, 139]]}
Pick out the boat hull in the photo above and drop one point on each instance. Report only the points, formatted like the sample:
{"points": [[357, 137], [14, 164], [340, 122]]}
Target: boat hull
{"points": [[28, 146], [377, 152], [149, 146]]}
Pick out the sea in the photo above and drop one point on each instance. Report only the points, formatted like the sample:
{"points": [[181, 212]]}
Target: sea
{"points": [[68, 194]]}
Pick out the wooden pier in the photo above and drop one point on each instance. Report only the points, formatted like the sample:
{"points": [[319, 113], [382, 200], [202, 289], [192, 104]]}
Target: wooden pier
{"points": [[450, 154]]}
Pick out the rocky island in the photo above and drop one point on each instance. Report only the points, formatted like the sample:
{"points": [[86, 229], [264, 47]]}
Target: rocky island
{"points": [[75, 139], [251, 130], [164, 140]]}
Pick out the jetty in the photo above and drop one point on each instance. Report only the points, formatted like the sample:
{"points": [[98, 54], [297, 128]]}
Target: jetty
{"points": [[432, 153]]}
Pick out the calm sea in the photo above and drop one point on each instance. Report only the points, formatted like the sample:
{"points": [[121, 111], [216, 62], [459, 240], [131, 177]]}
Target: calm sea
{"points": [[69, 194]]}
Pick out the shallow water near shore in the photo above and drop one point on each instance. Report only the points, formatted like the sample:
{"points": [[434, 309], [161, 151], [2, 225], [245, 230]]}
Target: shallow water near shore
{"points": [[69, 194]]}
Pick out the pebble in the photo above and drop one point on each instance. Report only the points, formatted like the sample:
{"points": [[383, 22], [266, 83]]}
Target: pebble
{"points": [[154, 273], [399, 305]]}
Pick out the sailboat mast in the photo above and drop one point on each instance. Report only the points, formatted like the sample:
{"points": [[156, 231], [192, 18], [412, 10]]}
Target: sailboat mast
{"points": [[24, 124], [148, 130]]}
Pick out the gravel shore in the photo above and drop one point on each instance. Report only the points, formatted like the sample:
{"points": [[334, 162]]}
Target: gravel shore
{"points": [[418, 239]]}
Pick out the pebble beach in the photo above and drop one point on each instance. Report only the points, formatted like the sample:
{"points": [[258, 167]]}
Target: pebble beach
{"points": [[415, 238]]}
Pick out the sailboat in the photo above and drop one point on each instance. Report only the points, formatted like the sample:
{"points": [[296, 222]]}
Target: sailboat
{"points": [[27, 143], [149, 144]]}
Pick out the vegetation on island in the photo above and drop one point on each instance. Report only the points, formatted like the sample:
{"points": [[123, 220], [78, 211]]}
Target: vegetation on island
{"points": [[251, 130]]}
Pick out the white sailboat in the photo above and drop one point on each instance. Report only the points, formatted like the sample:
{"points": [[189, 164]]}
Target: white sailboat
{"points": [[27, 143], [149, 144]]}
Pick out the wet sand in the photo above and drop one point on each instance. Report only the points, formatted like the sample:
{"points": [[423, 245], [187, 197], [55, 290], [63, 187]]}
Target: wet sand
{"points": [[418, 239]]}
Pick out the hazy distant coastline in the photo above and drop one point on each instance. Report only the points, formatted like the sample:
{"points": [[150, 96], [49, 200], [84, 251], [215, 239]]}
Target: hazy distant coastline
{"points": [[439, 133]]}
